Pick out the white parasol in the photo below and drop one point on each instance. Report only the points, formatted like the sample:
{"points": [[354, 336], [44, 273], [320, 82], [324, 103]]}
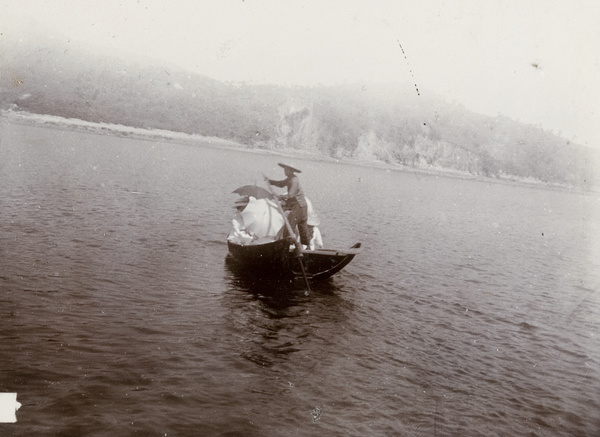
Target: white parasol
{"points": [[262, 218]]}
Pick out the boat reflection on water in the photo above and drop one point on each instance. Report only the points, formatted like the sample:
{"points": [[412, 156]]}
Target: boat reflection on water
{"points": [[275, 317]]}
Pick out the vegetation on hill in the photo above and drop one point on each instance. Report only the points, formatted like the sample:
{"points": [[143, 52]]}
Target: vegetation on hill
{"points": [[366, 122]]}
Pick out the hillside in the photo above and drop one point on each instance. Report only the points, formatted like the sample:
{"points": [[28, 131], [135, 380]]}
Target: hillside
{"points": [[366, 122]]}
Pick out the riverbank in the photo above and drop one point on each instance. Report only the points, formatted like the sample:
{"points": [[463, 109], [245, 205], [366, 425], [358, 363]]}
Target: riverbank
{"points": [[149, 134]]}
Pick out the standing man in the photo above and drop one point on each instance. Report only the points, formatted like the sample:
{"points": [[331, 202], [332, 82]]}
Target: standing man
{"points": [[296, 202]]}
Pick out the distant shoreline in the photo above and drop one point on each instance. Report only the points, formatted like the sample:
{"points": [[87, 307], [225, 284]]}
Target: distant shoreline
{"points": [[145, 134]]}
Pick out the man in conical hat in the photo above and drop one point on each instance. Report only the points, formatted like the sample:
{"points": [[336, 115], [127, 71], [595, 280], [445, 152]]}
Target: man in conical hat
{"points": [[296, 201]]}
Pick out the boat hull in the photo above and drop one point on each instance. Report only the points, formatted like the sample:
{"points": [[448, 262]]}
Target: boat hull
{"points": [[276, 258], [272, 257]]}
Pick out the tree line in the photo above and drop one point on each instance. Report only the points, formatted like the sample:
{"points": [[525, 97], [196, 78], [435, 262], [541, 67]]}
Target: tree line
{"points": [[362, 122]]}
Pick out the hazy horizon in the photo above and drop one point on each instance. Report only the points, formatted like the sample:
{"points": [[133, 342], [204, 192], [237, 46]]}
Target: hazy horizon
{"points": [[536, 62]]}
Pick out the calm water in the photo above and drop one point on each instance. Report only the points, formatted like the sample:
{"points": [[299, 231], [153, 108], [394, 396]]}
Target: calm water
{"points": [[472, 310]]}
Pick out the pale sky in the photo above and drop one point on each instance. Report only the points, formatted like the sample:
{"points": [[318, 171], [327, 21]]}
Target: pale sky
{"points": [[536, 61]]}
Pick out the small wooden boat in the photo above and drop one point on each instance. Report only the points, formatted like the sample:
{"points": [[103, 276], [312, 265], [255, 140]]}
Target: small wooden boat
{"points": [[257, 243], [278, 258]]}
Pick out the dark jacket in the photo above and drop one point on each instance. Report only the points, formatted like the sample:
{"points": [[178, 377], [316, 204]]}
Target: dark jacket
{"points": [[294, 189]]}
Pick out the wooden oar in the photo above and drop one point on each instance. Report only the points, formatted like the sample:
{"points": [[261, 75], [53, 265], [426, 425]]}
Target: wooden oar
{"points": [[297, 243]]}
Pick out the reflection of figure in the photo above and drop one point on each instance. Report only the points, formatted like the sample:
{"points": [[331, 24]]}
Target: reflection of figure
{"points": [[295, 201]]}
